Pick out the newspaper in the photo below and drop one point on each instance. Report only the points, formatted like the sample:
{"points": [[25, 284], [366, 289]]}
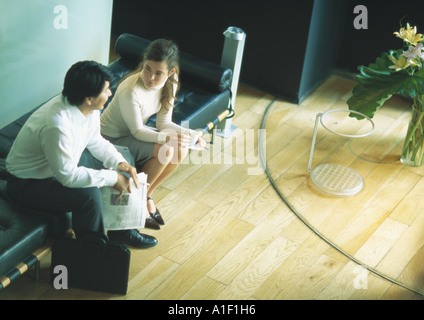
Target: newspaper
{"points": [[127, 211]]}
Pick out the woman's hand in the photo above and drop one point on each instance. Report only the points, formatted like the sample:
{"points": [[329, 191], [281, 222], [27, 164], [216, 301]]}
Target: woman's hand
{"points": [[178, 139], [201, 142]]}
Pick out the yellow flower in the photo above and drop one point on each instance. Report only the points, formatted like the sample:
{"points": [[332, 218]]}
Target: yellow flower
{"points": [[409, 35], [401, 63]]}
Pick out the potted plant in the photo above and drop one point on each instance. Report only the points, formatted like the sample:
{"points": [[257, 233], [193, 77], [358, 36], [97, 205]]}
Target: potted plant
{"points": [[396, 72]]}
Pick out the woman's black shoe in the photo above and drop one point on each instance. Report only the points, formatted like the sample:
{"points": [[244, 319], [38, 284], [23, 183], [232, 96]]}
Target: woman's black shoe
{"points": [[156, 215], [151, 224]]}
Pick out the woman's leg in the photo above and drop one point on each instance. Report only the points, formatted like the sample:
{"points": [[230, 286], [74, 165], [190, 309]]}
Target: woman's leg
{"points": [[154, 168], [165, 160]]}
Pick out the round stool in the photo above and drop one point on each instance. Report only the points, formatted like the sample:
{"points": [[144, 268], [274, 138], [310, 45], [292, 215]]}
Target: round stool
{"points": [[331, 179]]}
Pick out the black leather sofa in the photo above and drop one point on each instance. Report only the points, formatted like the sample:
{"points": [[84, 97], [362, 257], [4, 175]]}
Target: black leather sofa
{"points": [[203, 101], [204, 92]]}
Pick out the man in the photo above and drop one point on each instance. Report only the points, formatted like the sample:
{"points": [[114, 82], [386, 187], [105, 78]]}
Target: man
{"points": [[43, 162]]}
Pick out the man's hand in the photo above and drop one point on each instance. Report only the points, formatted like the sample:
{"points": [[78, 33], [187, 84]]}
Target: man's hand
{"points": [[122, 185], [123, 182]]}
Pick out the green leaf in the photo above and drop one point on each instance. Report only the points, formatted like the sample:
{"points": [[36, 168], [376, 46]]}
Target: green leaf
{"points": [[377, 83]]}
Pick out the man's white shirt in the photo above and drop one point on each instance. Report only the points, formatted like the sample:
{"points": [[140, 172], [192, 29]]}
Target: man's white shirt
{"points": [[51, 142]]}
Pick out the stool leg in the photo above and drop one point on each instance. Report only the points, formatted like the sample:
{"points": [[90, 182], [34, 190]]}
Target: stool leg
{"points": [[37, 272], [213, 136]]}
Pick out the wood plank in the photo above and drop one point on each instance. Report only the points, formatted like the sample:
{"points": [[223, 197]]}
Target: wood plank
{"points": [[285, 278], [182, 280], [404, 250], [348, 281], [380, 242], [257, 272], [204, 289], [315, 280], [230, 266], [186, 245], [148, 279]]}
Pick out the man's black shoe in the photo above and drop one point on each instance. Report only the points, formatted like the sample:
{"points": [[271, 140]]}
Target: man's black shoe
{"points": [[132, 238]]}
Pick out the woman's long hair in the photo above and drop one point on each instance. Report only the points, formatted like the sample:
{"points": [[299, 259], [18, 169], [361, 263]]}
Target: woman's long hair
{"points": [[167, 51]]}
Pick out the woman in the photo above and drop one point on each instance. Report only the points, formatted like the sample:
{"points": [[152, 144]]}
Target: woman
{"points": [[150, 90]]}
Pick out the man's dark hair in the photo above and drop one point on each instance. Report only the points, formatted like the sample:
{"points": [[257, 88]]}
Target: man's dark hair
{"points": [[85, 79]]}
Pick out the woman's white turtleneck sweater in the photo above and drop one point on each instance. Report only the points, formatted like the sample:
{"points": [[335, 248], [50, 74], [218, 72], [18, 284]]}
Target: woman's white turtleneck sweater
{"points": [[130, 109]]}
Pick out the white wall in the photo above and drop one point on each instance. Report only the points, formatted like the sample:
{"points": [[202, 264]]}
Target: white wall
{"points": [[40, 40]]}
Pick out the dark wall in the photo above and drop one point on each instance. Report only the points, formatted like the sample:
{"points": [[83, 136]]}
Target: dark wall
{"points": [[276, 33], [361, 47], [291, 45]]}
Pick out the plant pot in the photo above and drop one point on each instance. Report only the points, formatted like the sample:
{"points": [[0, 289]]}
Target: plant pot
{"points": [[413, 147]]}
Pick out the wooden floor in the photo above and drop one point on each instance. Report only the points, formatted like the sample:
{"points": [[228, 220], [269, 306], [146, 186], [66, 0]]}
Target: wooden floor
{"points": [[229, 235]]}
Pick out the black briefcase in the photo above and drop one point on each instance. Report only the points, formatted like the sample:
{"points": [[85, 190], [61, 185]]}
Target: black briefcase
{"points": [[91, 263]]}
